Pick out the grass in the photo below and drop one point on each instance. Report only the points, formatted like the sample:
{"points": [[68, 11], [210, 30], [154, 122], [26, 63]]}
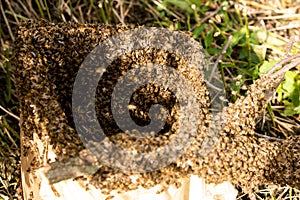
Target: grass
{"points": [[259, 34]]}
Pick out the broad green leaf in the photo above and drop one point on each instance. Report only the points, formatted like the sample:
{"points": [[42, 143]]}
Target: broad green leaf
{"points": [[289, 84], [290, 109], [289, 94], [237, 36], [260, 51], [243, 53], [198, 30], [213, 51], [266, 66], [182, 4], [197, 3], [258, 36], [209, 38]]}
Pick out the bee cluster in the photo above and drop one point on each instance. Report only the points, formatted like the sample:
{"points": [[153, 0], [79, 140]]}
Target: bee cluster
{"points": [[48, 57]]}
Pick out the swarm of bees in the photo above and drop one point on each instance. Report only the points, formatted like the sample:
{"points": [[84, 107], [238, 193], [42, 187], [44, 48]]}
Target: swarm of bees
{"points": [[48, 57]]}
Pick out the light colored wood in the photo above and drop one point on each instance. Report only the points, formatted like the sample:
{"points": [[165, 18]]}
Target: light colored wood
{"points": [[200, 190], [191, 189], [73, 190], [36, 185], [30, 183]]}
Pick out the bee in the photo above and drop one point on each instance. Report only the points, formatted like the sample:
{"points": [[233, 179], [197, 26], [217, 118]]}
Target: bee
{"points": [[237, 157], [56, 193], [161, 190], [109, 197]]}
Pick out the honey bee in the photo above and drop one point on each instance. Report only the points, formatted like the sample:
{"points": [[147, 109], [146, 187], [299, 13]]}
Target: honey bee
{"points": [[109, 197], [55, 61]]}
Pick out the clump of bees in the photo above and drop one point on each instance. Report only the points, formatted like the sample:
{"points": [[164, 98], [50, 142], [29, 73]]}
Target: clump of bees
{"points": [[48, 57]]}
